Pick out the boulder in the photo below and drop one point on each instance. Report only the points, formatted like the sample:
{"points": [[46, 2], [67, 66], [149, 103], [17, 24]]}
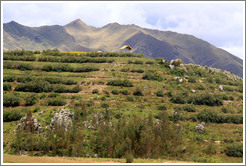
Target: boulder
{"points": [[31, 124], [200, 128], [221, 87], [62, 117]]}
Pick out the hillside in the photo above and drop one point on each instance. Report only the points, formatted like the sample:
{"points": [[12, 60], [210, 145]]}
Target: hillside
{"points": [[120, 106], [78, 36]]}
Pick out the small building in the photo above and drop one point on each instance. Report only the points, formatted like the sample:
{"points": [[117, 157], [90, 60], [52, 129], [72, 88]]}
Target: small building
{"points": [[125, 48]]}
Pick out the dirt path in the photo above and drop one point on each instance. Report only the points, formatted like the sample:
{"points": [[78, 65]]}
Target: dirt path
{"points": [[30, 159]]}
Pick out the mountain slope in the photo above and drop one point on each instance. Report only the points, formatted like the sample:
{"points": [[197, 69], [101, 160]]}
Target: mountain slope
{"points": [[78, 36]]}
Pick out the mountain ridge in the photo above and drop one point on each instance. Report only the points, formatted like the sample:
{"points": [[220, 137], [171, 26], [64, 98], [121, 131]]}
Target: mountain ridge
{"points": [[78, 36]]}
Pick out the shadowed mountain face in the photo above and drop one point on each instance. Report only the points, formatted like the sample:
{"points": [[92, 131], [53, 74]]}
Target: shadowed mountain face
{"points": [[78, 36]]}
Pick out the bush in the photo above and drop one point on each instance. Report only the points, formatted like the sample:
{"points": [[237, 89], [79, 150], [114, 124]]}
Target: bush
{"points": [[179, 98], [105, 105], [129, 98], [189, 108], [25, 66], [7, 87], [138, 92], [159, 93], [124, 83], [115, 92], [57, 102], [210, 149], [11, 99], [200, 87], [208, 116], [162, 107], [11, 115], [9, 79], [231, 98], [192, 80], [125, 92], [59, 88], [152, 76], [31, 100], [95, 91], [149, 62], [35, 86], [76, 89], [137, 71], [205, 99], [129, 158], [24, 79], [224, 110], [234, 150], [177, 71]]}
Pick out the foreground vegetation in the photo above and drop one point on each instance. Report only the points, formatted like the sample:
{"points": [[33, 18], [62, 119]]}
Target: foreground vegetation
{"points": [[125, 106]]}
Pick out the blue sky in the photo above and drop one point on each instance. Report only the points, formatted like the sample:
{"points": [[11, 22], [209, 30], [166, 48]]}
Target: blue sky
{"points": [[221, 24]]}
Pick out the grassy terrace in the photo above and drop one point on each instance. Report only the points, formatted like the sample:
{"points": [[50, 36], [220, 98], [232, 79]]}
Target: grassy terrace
{"points": [[161, 94]]}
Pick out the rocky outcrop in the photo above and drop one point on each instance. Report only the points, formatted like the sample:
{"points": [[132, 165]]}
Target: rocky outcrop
{"points": [[200, 127], [31, 124], [62, 117]]}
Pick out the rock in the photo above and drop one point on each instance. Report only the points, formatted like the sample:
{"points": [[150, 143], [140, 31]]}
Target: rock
{"points": [[203, 123], [193, 91], [62, 117], [221, 87], [200, 128], [30, 124], [180, 80], [171, 66]]}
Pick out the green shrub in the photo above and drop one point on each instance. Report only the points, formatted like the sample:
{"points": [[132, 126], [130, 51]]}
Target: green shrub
{"points": [[7, 87], [205, 99], [124, 83], [231, 98], [115, 92], [24, 79], [11, 115], [31, 100], [25, 66], [137, 71], [162, 107], [208, 116], [95, 91], [234, 150], [59, 88], [129, 158], [200, 87], [159, 93], [35, 86], [129, 98], [210, 149], [9, 78], [125, 70], [149, 62], [76, 89], [11, 99], [105, 105], [125, 92], [57, 102], [189, 108], [191, 80], [224, 110], [152, 76], [177, 71], [179, 98], [138, 92]]}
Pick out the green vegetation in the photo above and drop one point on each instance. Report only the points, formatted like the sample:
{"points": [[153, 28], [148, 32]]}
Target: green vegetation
{"points": [[131, 109]]}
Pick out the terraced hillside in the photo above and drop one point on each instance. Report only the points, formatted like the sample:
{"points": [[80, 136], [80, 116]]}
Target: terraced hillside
{"points": [[120, 106]]}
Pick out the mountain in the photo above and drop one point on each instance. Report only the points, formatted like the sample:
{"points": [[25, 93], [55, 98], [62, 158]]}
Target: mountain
{"points": [[78, 36]]}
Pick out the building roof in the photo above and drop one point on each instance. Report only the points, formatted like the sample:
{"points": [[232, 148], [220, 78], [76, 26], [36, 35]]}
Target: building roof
{"points": [[126, 47]]}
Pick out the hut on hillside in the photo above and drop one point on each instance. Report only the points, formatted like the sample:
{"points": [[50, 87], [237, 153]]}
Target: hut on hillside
{"points": [[125, 48]]}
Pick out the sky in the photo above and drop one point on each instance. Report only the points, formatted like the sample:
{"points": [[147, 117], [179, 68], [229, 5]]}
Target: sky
{"points": [[219, 23]]}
